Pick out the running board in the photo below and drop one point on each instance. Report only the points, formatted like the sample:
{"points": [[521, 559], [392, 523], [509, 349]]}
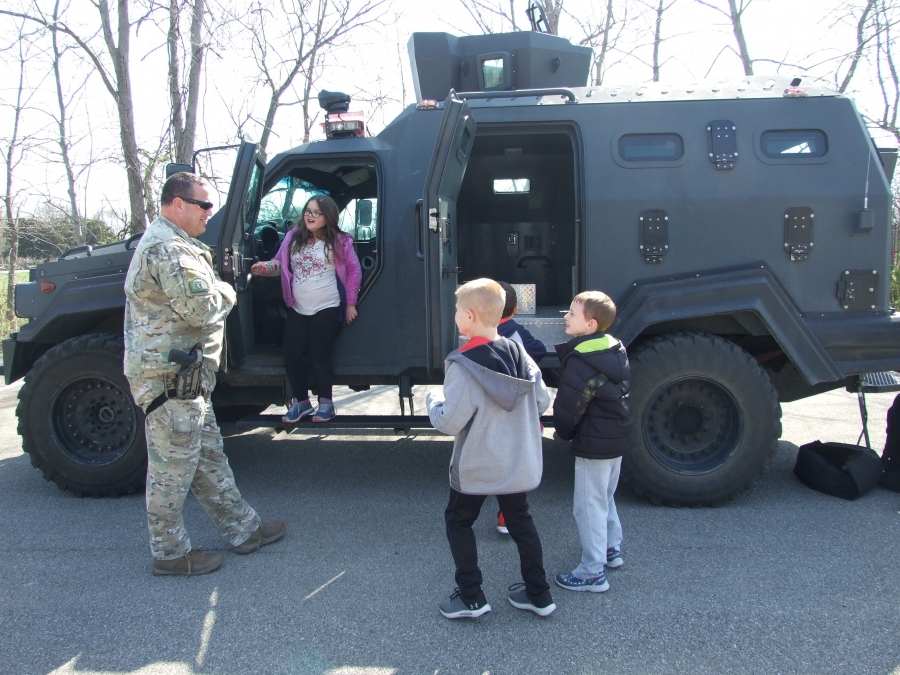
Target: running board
{"points": [[403, 423]]}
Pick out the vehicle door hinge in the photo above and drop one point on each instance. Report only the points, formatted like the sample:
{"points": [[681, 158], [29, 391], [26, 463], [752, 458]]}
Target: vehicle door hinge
{"points": [[446, 270], [654, 235], [858, 289], [798, 224], [433, 220], [722, 144]]}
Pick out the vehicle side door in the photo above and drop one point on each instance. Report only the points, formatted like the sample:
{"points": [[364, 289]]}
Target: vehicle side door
{"points": [[442, 186], [236, 247]]}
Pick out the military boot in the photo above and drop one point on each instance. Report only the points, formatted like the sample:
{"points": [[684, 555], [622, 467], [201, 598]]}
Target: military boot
{"points": [[266, 533], [195, 563]]}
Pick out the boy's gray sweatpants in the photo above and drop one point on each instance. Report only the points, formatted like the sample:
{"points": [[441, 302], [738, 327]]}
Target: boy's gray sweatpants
{"points": [[595, 512]]}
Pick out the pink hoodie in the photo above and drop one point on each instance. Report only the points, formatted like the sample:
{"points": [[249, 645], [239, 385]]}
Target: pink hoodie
{"points": [[346, 264]]}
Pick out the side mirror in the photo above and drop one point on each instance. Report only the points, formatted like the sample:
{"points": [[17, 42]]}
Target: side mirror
{"points": [[173, 168], [364, 212]]}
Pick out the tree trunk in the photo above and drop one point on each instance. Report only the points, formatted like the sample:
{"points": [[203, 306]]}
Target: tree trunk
{"points": [[64, 139], [860, 46], [657, 38], [185, 152], [124, 105], [600, 60], [738, 29], [173, 41]]}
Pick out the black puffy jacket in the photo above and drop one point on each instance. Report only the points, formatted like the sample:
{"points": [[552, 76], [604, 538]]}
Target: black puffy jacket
{"points": [[604, 431]]}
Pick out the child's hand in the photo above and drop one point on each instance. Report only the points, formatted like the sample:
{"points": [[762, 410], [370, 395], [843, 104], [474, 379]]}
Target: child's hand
{"points": [[258, 268], [351, 313]]}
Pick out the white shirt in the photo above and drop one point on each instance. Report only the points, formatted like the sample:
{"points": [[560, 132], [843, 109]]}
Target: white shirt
{"points": [[314, 282]]}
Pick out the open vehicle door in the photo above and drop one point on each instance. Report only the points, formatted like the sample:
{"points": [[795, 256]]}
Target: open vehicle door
{"points": [[448, 166], [236, 250]]}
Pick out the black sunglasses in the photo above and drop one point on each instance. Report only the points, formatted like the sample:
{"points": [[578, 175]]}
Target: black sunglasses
{"points": [[206, 206]]}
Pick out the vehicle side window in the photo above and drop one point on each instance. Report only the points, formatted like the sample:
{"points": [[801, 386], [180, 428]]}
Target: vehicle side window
{"points": [[791, 143], [651, 147], [512, 186]]}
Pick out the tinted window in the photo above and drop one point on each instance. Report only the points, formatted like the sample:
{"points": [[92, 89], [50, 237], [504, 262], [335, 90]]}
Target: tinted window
{"points": [[793, 143], [492, 71], [651, 147], [511, 186]]}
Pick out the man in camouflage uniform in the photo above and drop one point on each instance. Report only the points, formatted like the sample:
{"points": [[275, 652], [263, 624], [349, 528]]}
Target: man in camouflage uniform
{"points": [[175, 300]]}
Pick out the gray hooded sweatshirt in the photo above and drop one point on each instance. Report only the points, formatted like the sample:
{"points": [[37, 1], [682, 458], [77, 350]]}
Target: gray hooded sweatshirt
{"points": [[492, 402]]}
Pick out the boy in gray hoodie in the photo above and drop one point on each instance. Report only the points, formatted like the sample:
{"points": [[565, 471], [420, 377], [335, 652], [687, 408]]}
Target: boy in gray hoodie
{"points": [[492, 402]]}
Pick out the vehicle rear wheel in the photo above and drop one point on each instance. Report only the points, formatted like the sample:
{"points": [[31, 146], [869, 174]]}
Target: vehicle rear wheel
{"points": [[78, 421], [707, 420]]}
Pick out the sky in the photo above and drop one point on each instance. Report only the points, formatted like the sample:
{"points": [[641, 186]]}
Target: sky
{"points": [[799, 32]]}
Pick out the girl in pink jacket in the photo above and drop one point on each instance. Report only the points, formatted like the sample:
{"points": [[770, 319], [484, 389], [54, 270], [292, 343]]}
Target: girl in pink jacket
{"points": [[320, 277]]}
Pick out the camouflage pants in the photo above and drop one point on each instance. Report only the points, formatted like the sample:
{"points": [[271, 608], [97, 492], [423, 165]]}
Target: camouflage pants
{"points": [[185, 452]]}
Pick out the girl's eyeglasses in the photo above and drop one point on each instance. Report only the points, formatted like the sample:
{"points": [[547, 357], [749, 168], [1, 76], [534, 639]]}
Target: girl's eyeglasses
{"points": [[312, 214]]}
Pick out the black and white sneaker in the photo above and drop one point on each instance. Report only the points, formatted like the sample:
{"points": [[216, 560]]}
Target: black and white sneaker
{"points": [[520, 600], [457, 607]]}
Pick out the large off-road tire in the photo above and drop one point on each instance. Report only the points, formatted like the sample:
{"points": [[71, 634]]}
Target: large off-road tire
{"points": [[707, 420], [78, 421]]}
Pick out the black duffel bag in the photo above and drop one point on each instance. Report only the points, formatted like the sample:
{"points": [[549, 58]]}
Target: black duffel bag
{"points": [[838, 469]]}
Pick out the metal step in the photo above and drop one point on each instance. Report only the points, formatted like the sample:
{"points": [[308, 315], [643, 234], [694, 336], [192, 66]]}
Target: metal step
{"points": [[341, 422], [876, 383]]}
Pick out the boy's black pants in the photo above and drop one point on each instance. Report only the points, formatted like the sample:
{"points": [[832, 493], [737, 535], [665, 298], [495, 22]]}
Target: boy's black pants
{"points": [[462, 511]]}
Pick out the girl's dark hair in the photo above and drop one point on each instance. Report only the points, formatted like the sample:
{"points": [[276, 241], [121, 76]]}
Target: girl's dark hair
{"points": [[329, 209]]}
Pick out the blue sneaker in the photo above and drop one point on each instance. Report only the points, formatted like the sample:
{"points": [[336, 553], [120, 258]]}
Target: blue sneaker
{"points": [[297, 411], [324, 413], [614, 558], [570, 582]]}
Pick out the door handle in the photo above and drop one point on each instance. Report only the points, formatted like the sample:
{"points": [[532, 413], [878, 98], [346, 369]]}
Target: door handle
{"points": [[527, 258], [420, 254]]}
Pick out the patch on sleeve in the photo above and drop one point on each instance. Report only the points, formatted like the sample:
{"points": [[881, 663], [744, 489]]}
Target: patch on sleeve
{"points": [[196, 284]]}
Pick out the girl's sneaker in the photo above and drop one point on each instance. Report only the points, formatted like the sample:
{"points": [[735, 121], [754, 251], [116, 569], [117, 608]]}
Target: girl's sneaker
{"points": [[570, 582], [614, 558], [297, 411], [501, 523], [324, 413]]}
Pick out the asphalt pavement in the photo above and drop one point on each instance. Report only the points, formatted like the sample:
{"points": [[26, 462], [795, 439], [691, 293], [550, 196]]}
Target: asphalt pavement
{"points": [[780, 580]]}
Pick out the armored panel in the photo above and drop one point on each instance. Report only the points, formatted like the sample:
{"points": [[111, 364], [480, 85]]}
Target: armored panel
{"points": [[499, 61], [654, 235], [798, 222], [722, 144], [858, 289]]}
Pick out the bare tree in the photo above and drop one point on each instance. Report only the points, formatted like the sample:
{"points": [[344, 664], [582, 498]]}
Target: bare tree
{"points": [[64, 140], [602, 31], [115, 73], [735, 13], [12, 151], [659, 9], [863, 37], [185, 100], [492, 17], [293, 37]]}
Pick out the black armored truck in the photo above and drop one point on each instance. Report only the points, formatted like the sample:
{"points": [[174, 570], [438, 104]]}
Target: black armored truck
{"points": [[743, 229]]}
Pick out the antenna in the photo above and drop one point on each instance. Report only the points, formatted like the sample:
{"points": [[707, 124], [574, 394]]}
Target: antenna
{"points": [[868, 167]]}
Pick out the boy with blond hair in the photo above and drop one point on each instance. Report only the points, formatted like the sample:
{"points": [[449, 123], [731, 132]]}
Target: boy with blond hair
{"points": [[492, 401], [593, 410]]}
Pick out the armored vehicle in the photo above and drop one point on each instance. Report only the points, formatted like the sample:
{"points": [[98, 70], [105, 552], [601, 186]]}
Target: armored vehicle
{"points": [[743, 229]]}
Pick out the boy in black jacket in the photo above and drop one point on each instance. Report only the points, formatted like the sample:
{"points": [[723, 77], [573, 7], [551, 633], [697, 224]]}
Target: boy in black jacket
{"points": [[593, 410]]}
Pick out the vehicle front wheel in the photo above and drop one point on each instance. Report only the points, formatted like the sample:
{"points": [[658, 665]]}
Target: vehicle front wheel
{"points": [[707, 420], [78, 421]]}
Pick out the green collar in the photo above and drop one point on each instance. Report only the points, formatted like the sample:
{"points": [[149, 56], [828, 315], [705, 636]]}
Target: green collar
{"points": [[597, 344]]}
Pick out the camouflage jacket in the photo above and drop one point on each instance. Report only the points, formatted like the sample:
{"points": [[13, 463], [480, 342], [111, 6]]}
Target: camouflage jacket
{"points": [[173, 300]]}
